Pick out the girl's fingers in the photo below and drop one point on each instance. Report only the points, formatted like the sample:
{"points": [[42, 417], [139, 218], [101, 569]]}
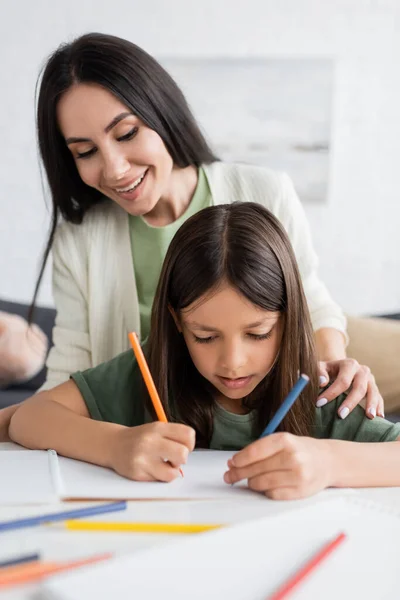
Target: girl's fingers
{"points": [[267, 482], [263, 448], [276, 463], [173, 452], [177, 432], [283, 493], [163, 471]]}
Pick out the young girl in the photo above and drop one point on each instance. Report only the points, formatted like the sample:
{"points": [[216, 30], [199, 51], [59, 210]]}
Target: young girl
{"points": [[230, 331]]}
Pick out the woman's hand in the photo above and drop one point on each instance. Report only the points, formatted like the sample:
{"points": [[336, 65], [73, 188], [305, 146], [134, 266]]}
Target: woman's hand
{"points": [[152, 452], [348, 375], [283, 466]]}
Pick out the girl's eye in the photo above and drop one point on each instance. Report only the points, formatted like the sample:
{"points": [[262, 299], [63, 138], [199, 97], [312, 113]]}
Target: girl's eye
{"points": [[206, 340], [86, 154], [129, 135], [260, 336]]}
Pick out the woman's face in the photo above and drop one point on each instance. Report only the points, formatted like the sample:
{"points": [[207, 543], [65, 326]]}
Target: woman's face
{"points": [[114, 152]]}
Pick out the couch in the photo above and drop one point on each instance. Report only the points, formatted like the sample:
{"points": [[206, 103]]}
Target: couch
{"points": [[44, 317]]}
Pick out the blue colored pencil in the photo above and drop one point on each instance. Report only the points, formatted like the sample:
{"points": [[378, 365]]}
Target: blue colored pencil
{"points": [[19, 560], [286, 405], [62, 516]]}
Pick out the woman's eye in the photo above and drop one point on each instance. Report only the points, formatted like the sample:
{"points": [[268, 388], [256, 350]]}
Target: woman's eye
{"points": [[260, 336], [206, 340], [129, 135], [86, 154]]}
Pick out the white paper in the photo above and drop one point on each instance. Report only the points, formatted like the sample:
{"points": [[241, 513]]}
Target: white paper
{"points": [[203, 478], [250, 560], [26, 477]]}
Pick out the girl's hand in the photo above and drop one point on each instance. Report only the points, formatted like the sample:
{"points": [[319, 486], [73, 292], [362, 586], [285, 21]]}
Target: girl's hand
{"points": [[283, 466], [348, 374], [152, 452]]}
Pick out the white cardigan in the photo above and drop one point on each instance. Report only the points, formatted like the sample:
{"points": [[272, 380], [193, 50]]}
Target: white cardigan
{"points": [[94, 281]]}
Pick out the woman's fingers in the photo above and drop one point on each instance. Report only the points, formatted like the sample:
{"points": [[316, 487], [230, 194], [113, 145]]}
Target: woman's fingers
{"points": [[343, 372], [374, 400], [357, 393], [323, 374]]}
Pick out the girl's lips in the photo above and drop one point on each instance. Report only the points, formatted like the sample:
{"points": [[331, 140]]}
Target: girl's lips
{"points": [[134, 194], [235, 384]]}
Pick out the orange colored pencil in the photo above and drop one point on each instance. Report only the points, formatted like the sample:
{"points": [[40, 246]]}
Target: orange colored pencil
{"points": [[148, 379], [34, 572]]}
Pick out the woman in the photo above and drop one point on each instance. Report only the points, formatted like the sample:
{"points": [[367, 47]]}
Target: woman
{"points": [[230, 331], [127, 165]]}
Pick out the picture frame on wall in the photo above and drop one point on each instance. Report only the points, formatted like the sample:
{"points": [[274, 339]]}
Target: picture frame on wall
{"points": [[272, 112]]}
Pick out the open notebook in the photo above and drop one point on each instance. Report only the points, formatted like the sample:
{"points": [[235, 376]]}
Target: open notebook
{"points": [[29, 477], [250, 560], [203, 478]]}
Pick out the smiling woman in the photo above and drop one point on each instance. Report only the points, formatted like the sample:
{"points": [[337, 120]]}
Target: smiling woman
{"points": [[127, 165]]}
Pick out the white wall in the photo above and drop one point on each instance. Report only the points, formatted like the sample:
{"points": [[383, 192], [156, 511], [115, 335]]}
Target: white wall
{"points": [[356, 234]]}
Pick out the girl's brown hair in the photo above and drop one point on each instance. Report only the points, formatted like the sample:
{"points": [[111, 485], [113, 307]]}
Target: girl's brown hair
{"points": [[244, 245]]}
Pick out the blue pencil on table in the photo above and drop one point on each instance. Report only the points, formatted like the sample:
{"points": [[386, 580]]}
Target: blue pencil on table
{"points": [[19, 560], [286, 405], [77, 513]]}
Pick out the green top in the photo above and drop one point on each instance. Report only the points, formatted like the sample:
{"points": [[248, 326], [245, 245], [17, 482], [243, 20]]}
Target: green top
{"points": [[113, 391], [149, 246]]}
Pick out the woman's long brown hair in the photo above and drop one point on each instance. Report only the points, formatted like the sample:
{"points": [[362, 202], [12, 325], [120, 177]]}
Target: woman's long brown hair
{"points": [[244, 245]]}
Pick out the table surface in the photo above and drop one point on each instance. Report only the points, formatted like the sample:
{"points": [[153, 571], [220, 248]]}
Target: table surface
{"points": [[55, 543]]}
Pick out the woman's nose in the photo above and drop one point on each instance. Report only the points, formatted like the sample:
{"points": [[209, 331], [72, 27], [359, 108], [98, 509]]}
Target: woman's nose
{"points": [[115, 167]]}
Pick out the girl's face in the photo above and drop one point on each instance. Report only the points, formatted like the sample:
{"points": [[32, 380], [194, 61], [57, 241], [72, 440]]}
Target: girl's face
{"points": [[232, 342], [113, 150]]}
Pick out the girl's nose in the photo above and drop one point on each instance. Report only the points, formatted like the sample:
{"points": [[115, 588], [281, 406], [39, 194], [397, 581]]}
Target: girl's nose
{"points": [[233, 359]]}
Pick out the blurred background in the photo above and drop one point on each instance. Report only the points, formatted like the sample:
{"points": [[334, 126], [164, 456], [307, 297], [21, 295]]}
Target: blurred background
{"points": [[355, 226]]}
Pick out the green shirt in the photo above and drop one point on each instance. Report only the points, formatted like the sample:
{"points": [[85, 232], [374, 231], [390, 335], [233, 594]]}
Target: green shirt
{"points": [[149, 246], [113, 392]]}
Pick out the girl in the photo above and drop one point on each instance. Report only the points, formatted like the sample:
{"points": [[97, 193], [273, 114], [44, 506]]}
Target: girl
{"points": [[230, 331]]}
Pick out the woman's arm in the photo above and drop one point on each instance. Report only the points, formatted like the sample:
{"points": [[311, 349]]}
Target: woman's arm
{"points": [[59, 419], [330, 344], [71, 351]]}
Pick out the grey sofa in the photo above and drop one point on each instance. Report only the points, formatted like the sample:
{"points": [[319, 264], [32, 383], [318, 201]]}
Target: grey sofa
{"points": [[44, 317]]}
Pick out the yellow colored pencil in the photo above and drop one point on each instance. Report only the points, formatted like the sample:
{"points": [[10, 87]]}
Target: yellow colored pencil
{"points": [[79, 525]]}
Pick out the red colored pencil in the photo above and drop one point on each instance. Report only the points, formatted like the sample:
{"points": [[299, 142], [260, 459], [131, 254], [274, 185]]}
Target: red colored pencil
{"points": [[303, 572]]}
